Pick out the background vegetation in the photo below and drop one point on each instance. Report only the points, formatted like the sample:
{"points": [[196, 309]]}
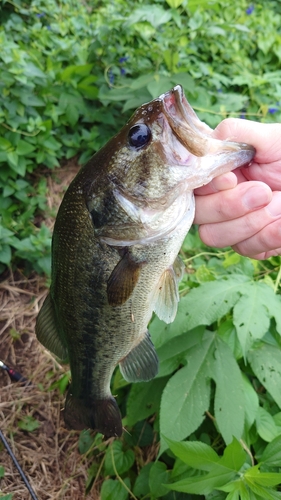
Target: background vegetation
{"points": [[70, 75]]}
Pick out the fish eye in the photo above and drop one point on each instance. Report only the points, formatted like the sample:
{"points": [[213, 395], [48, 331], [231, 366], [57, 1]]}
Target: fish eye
{"points": [[139, 135]]}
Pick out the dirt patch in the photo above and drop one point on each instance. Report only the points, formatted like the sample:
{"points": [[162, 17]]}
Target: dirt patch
{"points": [[49, 454]]}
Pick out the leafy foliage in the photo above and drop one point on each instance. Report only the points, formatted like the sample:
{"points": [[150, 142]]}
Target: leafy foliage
{"points": [[69, 75]]}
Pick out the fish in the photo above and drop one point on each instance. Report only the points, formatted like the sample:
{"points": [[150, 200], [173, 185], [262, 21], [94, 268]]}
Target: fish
{"points": [[115, 248]]}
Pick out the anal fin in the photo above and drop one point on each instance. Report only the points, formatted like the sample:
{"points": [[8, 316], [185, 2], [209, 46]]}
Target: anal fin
{"points": [[123, 280], [46, 329], [141, 364], [166, 294]]}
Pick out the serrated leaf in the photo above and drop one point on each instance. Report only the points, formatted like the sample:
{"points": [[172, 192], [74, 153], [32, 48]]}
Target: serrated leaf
{"points": [[187, 394], [223, 472], [229, 396], [272, 453], [250, 315], [172, 354], [263, 478], [123, 459], [144, 399], [265, 361], [195, 454], [266, 427], [212, 300]]}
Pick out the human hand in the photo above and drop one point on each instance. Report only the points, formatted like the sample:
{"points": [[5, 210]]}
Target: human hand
{"points": [[242, 209]]}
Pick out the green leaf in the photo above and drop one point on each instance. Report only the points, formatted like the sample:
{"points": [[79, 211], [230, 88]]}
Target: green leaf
{"points": [[5, 144], [174, 4], [112, 489], [2, 471], [265, 361], [194, 453], [263, 478], [123, 459], [251, 400], [266, 426], [86, 440], [141, 486], [158, 476], [272, 453], [24, 147], [229, 397], [72, 114], [187, 394], [5, 254], [223, 472], [212, 300], [173, 353], [28, 423], [144, 400], [250, 314]]}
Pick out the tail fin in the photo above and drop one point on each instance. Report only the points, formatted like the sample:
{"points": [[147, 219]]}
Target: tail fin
{"points": [[102, 415]]}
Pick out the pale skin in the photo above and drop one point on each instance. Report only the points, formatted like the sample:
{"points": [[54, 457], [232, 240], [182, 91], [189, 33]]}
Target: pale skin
{"points": [[242, 209]]}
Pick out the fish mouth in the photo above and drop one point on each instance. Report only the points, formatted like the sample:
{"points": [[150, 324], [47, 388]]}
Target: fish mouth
{"points": [[214, 156]]}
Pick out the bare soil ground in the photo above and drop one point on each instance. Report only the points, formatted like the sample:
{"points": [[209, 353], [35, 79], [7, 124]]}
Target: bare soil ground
{"points": [[48, 455]]}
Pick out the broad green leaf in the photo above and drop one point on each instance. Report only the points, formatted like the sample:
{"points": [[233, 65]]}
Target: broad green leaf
{"points": [[173, 353], [86, 440], [158, 477], [223, 472], [194, 453], [263, 478], [141, 486], [265, 361], [229, 396], [174, 4], [187, 394], [212, 300], [250, 314], [251, 400], [266, 426], [5, 144], [144, 399], [24, 148], [5, 254], [260, 491], [112, 489], [123, 459], [2, 471], [272, 453]]}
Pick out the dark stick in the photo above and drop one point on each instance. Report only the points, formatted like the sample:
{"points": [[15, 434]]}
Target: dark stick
{"points": [[24, 478]]}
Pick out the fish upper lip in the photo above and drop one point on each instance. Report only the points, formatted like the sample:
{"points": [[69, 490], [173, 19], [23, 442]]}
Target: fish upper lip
{"points": [[191, 132]]}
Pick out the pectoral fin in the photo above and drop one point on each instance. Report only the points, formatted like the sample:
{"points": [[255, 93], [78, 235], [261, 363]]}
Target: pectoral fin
{"points": [[123, 280], [167, 294], [46, 329], [141, 363]]}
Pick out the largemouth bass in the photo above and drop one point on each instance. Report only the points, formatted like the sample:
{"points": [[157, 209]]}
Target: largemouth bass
{"points": [[115, 251]]}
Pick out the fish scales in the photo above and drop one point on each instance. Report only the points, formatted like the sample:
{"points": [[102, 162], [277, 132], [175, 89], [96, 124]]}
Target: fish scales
{"points": [[114, 253]]}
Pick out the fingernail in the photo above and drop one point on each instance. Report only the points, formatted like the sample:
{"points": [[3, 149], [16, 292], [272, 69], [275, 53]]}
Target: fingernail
{"points": [[274, 206], [257, 197]]}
